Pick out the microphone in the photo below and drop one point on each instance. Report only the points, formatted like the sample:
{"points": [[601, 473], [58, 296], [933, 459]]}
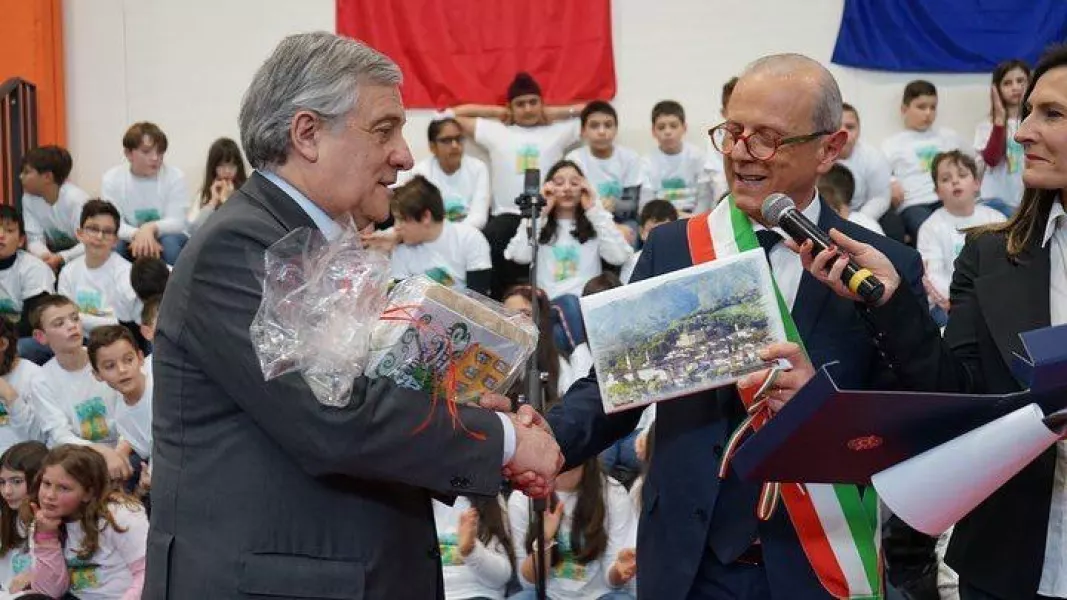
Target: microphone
{"points": [[532, 183], [779, 210]]}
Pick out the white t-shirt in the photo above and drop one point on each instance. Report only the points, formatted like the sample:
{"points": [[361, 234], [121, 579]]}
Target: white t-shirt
{"points": [[1005, 180], [574, 369], [911, 154], [864, 220], [53, 226], [513, 149], [75, 407], [458, 250], [12, 564], [28, 277], [940, 241], [19, 423], [134, 423], [610, 176], [627, 270], [484, 573], [570, 580], [106, 575], [565, 265], [716, 171], [679, 178], [141, 200], [465, 192], [104, 295], [872, 175]]}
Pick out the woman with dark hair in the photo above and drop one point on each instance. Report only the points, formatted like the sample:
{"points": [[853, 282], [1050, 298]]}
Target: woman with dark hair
{"points": [[476, 551], [224, 173], [994, 138], [550, 360], [588, 524], [576, 234], [463, 180], [1014, 545]]}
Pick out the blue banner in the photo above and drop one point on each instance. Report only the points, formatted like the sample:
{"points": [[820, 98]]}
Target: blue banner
{"points": [[947, 36]]}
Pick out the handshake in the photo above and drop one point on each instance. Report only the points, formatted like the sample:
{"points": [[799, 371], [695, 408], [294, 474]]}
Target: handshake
{"points": [[537, 458]]}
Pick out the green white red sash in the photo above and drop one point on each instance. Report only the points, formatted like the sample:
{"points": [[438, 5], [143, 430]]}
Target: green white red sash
{"points": [[838, 528]]}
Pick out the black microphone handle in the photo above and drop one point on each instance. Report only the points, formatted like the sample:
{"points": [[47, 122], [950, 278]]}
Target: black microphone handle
{"points": [[856, 278]]}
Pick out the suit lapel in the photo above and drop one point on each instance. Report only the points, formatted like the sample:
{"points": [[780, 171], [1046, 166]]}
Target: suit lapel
{"points": [[1015, 299], [276, 202], [812, 295]]}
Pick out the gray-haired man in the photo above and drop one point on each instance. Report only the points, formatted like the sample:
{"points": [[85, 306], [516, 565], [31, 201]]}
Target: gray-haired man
{"points": [[259, 490]]}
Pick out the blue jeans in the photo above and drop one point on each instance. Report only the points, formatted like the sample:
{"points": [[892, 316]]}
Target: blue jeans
{"points": [[622, 456], [939, 315], [34, 351], [172, 246], [614, 595], [568, 330]]}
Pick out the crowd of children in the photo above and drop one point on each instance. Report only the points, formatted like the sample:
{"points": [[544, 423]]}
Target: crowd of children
{"points": [[82, 278]]}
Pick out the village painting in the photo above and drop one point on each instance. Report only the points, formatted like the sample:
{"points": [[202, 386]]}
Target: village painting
{"points": [[683, 332]]}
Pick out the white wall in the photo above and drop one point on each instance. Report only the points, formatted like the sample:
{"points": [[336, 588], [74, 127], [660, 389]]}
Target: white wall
{"points": [[185, 63]]}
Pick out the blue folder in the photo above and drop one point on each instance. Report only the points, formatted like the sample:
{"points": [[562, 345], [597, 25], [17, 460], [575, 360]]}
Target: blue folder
{"points": [[829, 435]]}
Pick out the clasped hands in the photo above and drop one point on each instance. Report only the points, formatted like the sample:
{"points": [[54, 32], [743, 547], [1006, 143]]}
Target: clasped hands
{"points": [[537, 458]]}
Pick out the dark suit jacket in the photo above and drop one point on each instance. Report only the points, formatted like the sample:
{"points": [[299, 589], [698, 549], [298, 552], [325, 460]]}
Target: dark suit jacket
{"points": [[683, 499], [1000, 546], [260, 491]]}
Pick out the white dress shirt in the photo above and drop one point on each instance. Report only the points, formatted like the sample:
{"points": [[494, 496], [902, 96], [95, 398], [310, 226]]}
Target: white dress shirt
{"points": [[785, 264], [1054, 573], [331, 229]]}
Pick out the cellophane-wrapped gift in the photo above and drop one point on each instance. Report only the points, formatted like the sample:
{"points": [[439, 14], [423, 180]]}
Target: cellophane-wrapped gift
{"points": [[453, 345], [321, 301]]}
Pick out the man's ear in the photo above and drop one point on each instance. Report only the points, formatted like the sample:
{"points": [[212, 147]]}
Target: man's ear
{"points": [[304, 134]]}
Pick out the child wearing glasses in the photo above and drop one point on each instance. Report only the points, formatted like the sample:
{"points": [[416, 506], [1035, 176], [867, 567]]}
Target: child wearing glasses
{"points": [[675, 169], [99, 281], [911, 153], [51, 205], [462, 180]]}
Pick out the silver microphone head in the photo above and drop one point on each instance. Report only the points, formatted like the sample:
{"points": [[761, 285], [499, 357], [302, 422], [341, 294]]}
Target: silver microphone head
{"points": [[774, 206]]}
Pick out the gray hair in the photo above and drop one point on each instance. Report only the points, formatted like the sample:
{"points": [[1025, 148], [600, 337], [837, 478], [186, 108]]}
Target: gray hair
{"points": [[828, 103], [318, 72]]}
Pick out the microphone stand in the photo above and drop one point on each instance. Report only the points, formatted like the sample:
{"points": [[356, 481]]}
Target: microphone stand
{"points": [[531, 202]]}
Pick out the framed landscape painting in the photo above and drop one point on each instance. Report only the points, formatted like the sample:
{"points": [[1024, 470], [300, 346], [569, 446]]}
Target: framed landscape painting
{"points": [[682, 332]]}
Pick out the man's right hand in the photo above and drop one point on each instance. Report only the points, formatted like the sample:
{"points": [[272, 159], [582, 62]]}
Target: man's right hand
{"points": [[537, 457]]}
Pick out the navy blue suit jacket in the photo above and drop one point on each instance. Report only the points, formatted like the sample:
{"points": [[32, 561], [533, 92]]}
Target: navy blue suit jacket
{"points": [[683, 498]]}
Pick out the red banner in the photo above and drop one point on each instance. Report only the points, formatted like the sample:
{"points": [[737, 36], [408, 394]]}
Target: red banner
{"points": [[467, 51]]}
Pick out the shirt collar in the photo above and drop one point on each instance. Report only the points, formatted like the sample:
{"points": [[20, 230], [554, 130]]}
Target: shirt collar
{"points": [[1057, 219], [329, 228], [812, 211]]}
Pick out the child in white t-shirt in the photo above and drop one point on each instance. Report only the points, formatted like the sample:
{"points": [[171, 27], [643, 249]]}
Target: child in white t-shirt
{"points": [[24, 278], [615, 172], [655, 213], [1000, 156], [72, 406], [51, 205], [477, 558], [19, 466], [462, 180], [585, 560], [836, 187], [18, 412], [151, 197], [224, 174], [523, 135], [76, 494], [871, 174], [941, 237], [575, 234], [99, 280], [911, 152], [675, 170], [452, 254]]}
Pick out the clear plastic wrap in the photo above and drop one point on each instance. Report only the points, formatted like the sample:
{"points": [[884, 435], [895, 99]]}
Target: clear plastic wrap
{"points": [[320, 303], [452, 345]]}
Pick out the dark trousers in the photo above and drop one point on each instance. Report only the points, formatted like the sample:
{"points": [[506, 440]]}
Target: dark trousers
{"points": [[498, 232], [914, 216], [735, 581]]}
